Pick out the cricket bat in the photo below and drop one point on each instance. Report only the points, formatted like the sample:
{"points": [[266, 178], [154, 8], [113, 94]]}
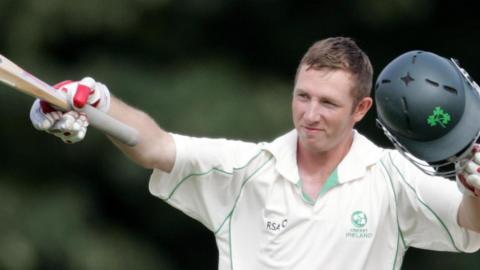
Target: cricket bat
{"points": [[16, 77]]}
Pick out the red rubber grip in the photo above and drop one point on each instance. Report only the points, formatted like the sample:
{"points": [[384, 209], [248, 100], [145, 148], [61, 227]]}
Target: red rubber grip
{"points": [[81, 96]]}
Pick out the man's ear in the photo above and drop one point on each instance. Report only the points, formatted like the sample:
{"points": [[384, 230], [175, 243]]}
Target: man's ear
{"points": [[362, 108]]}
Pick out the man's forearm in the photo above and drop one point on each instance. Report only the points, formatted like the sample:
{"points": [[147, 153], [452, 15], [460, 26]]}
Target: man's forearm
{"points": [[469, 213], [155, 149]]}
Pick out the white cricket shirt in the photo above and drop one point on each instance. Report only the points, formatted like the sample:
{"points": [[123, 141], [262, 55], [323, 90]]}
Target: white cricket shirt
{"points": [[373, 207]]}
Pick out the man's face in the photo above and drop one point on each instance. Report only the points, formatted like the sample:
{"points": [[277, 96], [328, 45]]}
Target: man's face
{"points": [[322, 108]]}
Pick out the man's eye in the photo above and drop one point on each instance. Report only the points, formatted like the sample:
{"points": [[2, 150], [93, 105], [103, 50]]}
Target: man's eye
{"points": [[303, 96], [329, 104]]}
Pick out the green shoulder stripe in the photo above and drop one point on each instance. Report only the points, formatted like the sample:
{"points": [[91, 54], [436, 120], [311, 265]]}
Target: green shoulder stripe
{"points": [[238, 195], [400, 233], [426, 205], [229, 216], [210, 171]]}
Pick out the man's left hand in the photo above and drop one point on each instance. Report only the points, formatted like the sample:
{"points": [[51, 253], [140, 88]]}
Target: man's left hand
{"points": [[468, 179]]}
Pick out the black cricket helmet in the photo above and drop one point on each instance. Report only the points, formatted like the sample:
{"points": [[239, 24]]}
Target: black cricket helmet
{"points": [[429, 107]]}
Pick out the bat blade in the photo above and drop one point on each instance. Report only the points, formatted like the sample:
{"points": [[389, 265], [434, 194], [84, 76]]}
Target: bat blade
{"points": [[16, 77]]}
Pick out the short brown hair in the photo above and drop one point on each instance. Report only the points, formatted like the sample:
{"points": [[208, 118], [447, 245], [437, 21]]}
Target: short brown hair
{"points": [[341, 53]]}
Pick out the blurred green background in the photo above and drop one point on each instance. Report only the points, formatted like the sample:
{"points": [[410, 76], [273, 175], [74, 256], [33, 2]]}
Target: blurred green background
{"points": [[218, 68]]}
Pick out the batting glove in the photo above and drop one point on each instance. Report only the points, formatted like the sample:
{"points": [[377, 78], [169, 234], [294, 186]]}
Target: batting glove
{"points": [[468, 180], [70, 126]]}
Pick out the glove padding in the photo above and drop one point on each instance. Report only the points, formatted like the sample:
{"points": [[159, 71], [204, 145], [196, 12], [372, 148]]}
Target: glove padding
{"points": [[468, 179], [86, 91], [70, 126]]}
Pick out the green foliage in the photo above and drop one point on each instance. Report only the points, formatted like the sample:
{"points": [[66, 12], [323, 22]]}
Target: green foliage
{"points": [[393, 11], [58, 226]]}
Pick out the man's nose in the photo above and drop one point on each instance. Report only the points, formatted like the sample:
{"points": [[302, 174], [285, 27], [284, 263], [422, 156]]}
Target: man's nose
{"points": [[312, 113]]}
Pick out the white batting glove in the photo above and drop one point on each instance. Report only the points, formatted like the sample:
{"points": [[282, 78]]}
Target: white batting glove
{"points": [[468, 180], [70, 126], [86, 91]]}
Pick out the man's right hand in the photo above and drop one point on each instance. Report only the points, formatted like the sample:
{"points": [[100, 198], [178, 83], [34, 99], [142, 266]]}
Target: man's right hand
{"points": [[70, 126], [468, 179]]}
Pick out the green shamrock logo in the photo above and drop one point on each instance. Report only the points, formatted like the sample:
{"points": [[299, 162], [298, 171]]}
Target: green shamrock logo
{"points": [[359, 219], [439, 116]]}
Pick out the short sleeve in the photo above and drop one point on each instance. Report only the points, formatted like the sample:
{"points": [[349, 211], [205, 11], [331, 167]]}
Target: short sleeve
{"points": [[428, 208], [206, 177]]}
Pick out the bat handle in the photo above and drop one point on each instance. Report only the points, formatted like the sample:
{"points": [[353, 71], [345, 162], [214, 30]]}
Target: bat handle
{"points": [[111, 126]]}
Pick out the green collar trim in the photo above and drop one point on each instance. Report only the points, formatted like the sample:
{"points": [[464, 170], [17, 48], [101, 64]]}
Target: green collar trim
{"points": [[307, 198], [332, 181]]}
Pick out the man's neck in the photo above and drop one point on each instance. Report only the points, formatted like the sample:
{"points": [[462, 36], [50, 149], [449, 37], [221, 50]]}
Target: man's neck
{"points": [[311, 161], [314, 168]]}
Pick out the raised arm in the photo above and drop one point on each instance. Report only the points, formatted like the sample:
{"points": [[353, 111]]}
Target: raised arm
{"points": [[469, 213], [155, 148], [469, 183]]}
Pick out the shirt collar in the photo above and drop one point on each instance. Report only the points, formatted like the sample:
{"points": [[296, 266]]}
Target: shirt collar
{"points": [[284, 150], [361, 155]]}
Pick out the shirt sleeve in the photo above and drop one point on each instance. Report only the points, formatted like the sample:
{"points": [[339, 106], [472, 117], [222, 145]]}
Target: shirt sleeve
{"points": [[428, 208], [206, 178]]}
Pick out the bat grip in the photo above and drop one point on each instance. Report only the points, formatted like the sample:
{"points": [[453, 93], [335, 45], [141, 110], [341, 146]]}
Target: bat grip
{"points": [[111, 126]]}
